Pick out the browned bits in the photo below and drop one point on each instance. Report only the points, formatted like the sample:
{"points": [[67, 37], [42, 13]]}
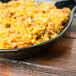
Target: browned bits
{"points": [[10, 14], [13, 45], [49, 31], [7, 25]]}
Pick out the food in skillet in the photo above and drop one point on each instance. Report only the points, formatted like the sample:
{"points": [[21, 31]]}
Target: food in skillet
{"points": [[25, 23]]}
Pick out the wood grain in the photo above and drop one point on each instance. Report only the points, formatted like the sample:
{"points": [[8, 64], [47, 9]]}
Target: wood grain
{"points": [[17, 68]]}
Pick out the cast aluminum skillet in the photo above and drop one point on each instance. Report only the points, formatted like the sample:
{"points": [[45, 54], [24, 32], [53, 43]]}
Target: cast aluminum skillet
{"points": [[28, 51]]}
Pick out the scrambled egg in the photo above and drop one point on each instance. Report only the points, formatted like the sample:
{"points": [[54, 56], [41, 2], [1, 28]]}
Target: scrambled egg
{"points": [[26, 23]]}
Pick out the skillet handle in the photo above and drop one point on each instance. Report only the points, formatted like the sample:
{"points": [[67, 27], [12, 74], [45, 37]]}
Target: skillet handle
{"points": [[70, 33], [74, 9], [73, 12]]}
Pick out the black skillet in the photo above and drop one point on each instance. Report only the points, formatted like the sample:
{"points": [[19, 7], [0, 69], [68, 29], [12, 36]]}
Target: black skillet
{"points": [[28, 51]]}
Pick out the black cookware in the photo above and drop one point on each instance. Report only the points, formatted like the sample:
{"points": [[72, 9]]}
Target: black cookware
{"points": [[28, 51]]}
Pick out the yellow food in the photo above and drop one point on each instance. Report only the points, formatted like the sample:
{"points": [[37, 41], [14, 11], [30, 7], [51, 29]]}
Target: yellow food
{"points": [[25, 23]]}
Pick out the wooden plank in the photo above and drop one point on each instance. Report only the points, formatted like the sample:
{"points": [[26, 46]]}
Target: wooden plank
{"points": [[17, 68], [69, 34]]}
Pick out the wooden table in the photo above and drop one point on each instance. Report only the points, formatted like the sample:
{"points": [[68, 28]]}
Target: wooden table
{"points": [[56, 60]]}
